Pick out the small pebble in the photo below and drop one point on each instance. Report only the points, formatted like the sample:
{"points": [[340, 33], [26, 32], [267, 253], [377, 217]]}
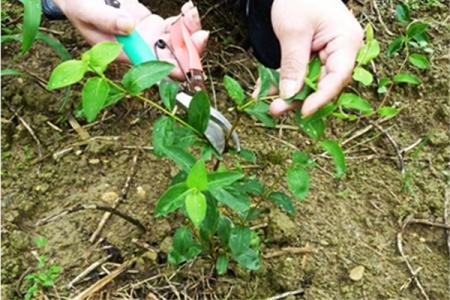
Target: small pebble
{"points": [[94, 161], [357, 273], [109, 197]]}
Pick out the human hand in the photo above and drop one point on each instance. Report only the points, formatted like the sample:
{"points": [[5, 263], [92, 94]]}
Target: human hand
{"points": [[98, 22], [304, 26]]}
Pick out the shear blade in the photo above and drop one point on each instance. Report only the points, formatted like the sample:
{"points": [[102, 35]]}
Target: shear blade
{"points": [[218, 126]]}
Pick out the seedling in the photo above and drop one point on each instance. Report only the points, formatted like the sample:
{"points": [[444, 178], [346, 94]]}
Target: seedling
{"points": [[212, 190], [44, 276]]}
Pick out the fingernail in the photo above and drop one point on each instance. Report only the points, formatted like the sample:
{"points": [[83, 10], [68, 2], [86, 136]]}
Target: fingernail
{"points": [[288, 88], [125, 25]]}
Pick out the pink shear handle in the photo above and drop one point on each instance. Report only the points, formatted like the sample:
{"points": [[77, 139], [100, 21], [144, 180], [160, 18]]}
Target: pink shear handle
{"points": [[184, 47]]}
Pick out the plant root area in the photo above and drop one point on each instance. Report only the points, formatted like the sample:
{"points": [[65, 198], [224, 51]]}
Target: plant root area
{"points": [[379, 233]]}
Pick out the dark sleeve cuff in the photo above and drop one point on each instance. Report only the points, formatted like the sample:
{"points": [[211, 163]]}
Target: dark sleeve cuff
{"points": [[51, 10]]}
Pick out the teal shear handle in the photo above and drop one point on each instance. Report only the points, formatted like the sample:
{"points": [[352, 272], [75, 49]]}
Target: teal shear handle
{"points": [[133, 44], [136, 48]]}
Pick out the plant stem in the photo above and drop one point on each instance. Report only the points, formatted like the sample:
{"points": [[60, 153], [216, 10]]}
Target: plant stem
{"points": [[402, 66], [151, 103]]}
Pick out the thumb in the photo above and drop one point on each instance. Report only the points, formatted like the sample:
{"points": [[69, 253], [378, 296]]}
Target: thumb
{"points": [[108, 19], [295, 53]]}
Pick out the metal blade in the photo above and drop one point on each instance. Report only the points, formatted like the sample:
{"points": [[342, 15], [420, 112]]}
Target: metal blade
{"points": [[218, 126]]}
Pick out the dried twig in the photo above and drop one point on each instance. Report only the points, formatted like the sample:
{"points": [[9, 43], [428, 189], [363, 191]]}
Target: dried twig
{"points": [[88, 270], [27, 127], [290, 250], [84, 135], [380, 19], [80, 207], [122, 196], [104, 281], [287, 294], [408, 263], [401, 162]]}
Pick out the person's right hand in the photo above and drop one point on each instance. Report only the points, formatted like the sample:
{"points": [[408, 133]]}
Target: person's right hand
{"points": [[326, 27], [98, 22]]}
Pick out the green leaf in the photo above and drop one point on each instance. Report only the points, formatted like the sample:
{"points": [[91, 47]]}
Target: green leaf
{"points": [[368, 52], [304, 92], [416, 29], [362, 75], [94, 95], [238, 204], [221, 264], [12, 72], [163, 134], [223, 179], [337, 155], [168, 90], [66, 73], [184, 137], [184, 248], [199, 111], [261, 112], [301, 159], [40, 241], [102, 54], [419, 61], [240, 238], [198, 177], [248, 155], [248, 259], [114, 96], [234, 90], [195, 204], [250, 186], [314, 125], [239, 243], [396, 45], [266, 79], [283, 201], [172, 199], [314, 70], [145, 75], [31, 20], [181, 157], [211, 221], [353, 101], [224, 229], [59, 48], [382, 85], [369, 32], [388, 111], [406, 77], [402, 13], [298, 182]]}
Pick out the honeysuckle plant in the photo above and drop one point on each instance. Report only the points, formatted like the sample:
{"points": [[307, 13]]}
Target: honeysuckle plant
{"points": [[218, 198]]}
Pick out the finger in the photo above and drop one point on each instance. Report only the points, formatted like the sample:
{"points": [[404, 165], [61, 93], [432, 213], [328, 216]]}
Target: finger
{"points": [[106, 19], [339, 68], [200, 39], [280, 106], [295, 54], [191, 17]]}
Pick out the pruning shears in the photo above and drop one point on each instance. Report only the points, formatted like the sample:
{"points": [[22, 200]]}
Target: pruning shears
{"points": [[188, 59]]}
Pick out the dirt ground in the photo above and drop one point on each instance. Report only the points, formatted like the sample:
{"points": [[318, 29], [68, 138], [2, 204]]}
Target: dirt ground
{"points": [[349, 223]]}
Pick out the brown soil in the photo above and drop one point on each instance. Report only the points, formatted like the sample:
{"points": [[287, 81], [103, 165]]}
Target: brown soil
{"points": [[352, 222]]}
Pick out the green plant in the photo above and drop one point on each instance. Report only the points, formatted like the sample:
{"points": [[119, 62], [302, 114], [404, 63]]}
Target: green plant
{"points": [[44, 275], [212, 190], [414, 37]]}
